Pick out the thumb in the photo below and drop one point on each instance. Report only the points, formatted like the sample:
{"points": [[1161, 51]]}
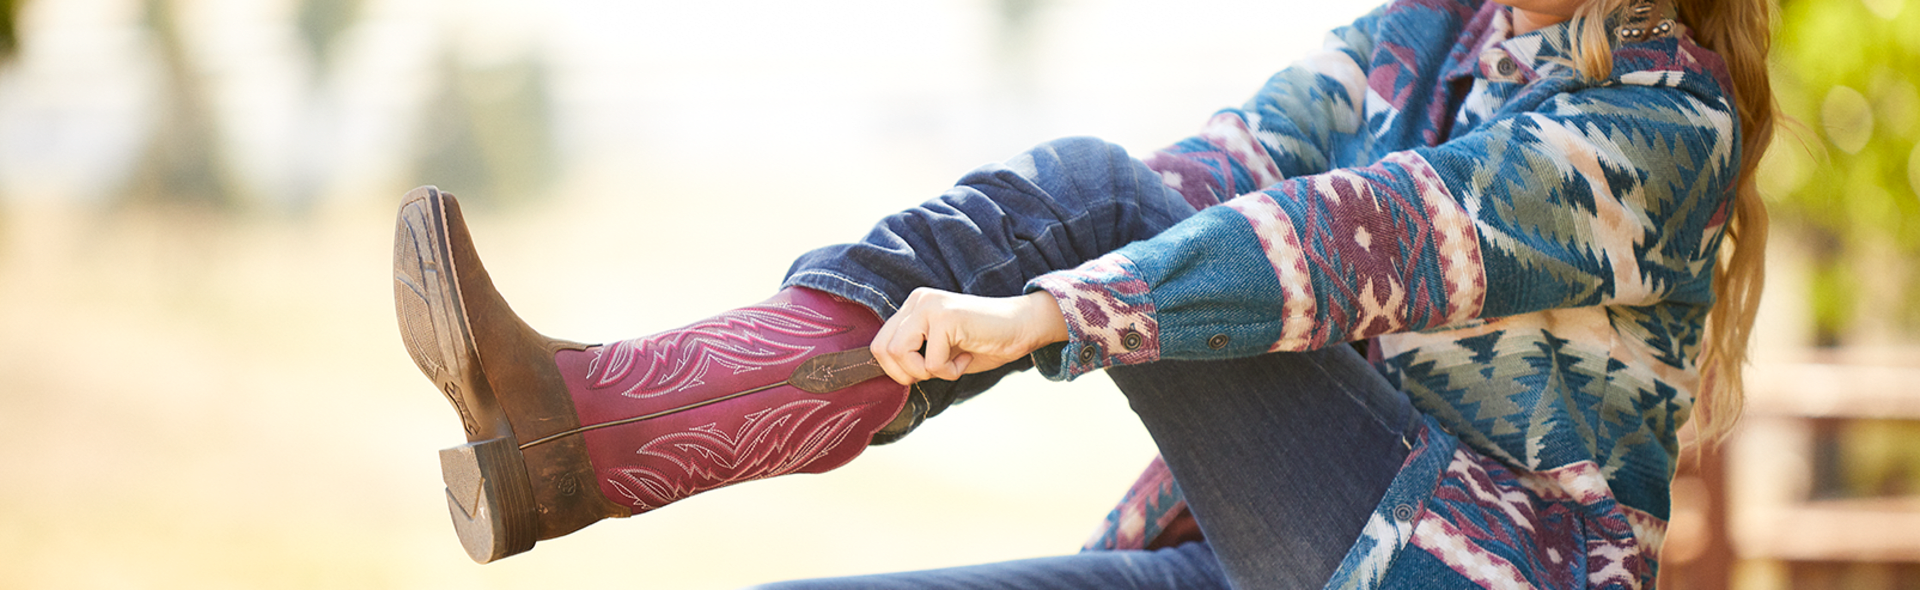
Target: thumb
{"points": [[959, 364]]}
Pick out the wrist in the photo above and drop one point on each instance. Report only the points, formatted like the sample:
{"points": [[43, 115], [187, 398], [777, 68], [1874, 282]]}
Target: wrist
{"points": [[1044, 317]]}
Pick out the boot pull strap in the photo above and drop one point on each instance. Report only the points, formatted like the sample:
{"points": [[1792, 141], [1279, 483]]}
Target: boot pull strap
{"points": [[834, 371]]}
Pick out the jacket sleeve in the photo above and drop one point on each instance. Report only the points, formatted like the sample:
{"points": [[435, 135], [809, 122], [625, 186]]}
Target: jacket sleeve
{"points": [[1291, 127], [1611, 195]]}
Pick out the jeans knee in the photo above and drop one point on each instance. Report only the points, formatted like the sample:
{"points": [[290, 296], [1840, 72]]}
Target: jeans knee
{"points": [[1086, 148]]}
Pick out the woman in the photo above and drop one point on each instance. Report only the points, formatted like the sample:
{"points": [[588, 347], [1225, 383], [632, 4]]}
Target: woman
{"points": [[1536, 217]]}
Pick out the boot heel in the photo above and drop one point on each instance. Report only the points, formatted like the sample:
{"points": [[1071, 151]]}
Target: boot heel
{"points": [[490, 497]]}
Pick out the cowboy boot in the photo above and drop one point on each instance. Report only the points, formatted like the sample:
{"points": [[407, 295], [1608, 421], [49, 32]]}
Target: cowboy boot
{"points": [[562, 434]]}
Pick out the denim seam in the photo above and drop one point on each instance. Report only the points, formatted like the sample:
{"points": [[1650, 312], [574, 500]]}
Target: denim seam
{"points": [[1027, 245], [849, 280]]}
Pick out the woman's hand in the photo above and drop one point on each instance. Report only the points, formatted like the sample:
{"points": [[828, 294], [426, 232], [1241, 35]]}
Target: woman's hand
{"points": [[964, 334]]}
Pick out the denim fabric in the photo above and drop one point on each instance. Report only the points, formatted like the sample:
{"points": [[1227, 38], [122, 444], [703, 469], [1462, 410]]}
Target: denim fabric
{"points": [[1051, 208], [1187, 567], [1282, 456]]}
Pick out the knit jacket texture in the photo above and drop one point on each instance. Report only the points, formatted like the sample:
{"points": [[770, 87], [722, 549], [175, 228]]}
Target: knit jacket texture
{"points": [[1530, 252]]}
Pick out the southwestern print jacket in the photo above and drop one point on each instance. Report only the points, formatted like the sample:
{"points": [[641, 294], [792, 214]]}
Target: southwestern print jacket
{"points": [[1531, 251]]}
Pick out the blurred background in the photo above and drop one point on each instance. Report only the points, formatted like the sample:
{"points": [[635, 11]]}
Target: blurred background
{"points": [[202, 385]]}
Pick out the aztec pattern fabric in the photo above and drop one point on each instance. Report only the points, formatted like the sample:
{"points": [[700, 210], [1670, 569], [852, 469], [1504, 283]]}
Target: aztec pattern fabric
{"points": [[1531, 252], [1147, 514]]}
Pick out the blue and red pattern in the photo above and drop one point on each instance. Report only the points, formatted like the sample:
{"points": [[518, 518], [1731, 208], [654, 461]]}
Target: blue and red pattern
{"points": [[1531, 251], [1111, 319], [1150, 507]]}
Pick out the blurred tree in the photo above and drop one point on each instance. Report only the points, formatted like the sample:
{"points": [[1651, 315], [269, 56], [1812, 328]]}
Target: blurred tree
{"points": [[1844, 178], [322, 21], [1013, 44], [9, 30], [488, 133], [181, 164], [1017, 19]]}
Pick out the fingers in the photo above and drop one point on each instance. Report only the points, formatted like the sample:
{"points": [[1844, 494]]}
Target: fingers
{"points": [[896, 347], [934, 360], [955, 367], [942, 359], [942, 335], [918, 343]]}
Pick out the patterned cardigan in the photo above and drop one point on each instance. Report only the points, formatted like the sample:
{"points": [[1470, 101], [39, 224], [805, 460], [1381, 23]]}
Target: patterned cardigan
{"points": [[1530, 251]]}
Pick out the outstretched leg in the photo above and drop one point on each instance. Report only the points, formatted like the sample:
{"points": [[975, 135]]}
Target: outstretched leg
{"points": [[1187, 567], [562, 434]]}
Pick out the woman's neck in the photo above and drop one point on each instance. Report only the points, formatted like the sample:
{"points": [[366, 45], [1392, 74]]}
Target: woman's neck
{"points": [[1527, 21]]}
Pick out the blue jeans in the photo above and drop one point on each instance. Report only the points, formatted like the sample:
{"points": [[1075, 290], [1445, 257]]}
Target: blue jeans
{"points": [[1282, 456]]}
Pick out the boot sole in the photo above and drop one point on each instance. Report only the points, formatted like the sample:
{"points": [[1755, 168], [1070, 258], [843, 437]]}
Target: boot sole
{"points": [[489, 493]]}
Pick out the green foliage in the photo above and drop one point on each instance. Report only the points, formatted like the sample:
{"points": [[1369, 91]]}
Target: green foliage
{"points": [[9, 28], [322, 21], [1845, 171], [1874, 458]]}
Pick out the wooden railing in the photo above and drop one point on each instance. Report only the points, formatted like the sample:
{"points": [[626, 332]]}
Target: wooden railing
{"points": [[1754, 499]]}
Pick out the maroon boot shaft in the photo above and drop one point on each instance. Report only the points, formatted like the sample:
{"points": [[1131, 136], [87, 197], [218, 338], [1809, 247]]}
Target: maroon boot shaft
{"points": [[646, 454]]}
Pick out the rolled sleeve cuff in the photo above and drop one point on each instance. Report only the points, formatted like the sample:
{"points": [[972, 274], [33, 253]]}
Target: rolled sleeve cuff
{"points": [[1110, 318]]}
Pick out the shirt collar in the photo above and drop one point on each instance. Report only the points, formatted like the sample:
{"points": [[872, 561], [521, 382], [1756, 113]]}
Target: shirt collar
{"points": [[1538, 54], [1543, 52]]}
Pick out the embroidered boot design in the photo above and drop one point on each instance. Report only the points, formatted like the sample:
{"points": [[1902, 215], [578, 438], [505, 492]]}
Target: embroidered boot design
{"points": [[775, 388]]}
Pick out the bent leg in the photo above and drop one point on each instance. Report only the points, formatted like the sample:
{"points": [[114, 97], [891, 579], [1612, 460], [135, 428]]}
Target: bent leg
{"points": [[1282, 457], [1051, 208]]}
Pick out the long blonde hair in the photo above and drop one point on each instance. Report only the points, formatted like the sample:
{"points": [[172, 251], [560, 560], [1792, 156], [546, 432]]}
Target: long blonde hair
{"points": [[1740, 31]]}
